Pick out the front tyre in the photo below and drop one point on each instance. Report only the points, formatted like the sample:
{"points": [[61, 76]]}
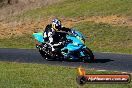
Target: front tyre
{"points": [[88, 55]]}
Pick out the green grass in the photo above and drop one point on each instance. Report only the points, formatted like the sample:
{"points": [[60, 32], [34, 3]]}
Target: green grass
{"points": [[18, 75], [77, 8], [108, 38], [26, 41]]}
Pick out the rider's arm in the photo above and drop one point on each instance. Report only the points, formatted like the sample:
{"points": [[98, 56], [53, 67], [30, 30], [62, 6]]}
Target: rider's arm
{"points": [[46, 31], [65, 29], [47, 28]]}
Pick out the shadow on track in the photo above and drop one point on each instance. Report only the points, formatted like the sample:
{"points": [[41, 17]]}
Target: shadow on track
{"points": [[102, 60], [95, 61]]}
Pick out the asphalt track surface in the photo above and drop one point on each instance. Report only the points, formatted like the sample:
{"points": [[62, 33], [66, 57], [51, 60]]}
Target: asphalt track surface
{"points": [[104, 61]]}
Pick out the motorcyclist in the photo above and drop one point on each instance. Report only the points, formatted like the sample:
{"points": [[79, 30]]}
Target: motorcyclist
{"points": [[51, 30]]}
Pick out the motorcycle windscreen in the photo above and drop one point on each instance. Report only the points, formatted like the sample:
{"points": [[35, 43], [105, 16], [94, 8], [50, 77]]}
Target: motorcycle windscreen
{"points": [[77, 33], [39, 36]]}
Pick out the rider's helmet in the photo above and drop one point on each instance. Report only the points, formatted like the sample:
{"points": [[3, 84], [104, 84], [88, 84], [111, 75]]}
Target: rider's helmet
{"points": [[56, 24]]}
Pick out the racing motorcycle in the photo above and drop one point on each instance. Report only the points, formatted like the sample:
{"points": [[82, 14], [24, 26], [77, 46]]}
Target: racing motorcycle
{"points": [[72, 47]]}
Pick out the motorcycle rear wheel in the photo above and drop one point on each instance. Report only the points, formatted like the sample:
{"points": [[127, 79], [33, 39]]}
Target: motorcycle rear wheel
{"points": [[51, 57], [44, 55]]}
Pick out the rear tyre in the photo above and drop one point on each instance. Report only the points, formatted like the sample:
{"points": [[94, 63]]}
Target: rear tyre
{"points": [[49, 55], [44, 55]]}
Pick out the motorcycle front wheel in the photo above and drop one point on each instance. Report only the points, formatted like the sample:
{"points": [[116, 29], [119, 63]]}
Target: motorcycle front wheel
{"points": [[88, 55]]}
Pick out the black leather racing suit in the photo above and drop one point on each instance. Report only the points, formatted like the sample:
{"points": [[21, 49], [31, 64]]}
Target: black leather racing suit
{"points": [[49, 33]]}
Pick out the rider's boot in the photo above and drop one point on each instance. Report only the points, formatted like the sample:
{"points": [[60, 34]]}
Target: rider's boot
{"points": [[54, 45]]}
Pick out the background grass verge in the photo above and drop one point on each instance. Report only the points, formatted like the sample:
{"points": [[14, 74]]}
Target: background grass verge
{"points": [[78, 8], [107, 38], [20, 75], [99, 37], [26, 41]]}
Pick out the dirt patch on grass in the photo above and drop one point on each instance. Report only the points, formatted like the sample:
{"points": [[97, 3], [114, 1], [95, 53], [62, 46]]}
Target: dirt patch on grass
{"points": [[112, 20], [14, 29]]}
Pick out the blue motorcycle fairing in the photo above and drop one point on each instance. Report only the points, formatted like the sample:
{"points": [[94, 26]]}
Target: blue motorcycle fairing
{"points": [[75, 40], [77, 33], [39, 36], [72, 50], [77, 44]]}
